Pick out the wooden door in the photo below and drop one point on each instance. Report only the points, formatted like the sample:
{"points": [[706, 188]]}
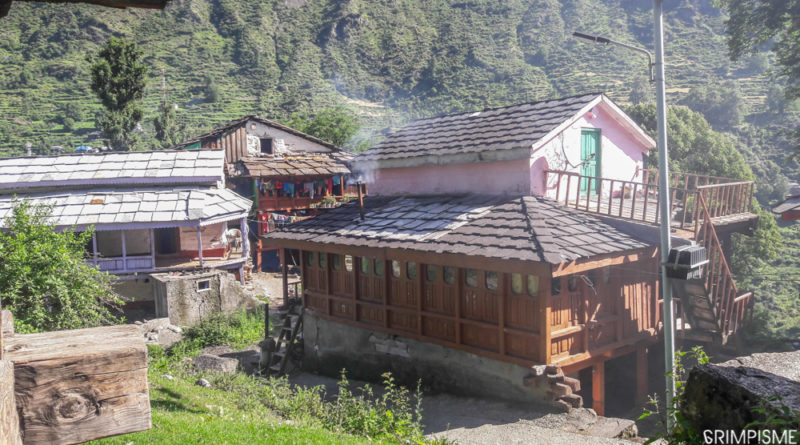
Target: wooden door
{"points": [[590, 158]]}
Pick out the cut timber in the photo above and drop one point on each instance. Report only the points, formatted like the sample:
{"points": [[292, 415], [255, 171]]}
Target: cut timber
{"points": [[9, 422], [81, 385]]}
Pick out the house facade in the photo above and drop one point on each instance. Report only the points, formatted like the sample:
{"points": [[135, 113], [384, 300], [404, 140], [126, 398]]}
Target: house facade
{"points": [[513, 252], [152, 212], [289, 175]]}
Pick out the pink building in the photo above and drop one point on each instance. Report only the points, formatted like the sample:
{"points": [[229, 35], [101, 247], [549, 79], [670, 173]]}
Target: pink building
{"points": [[508, 150]]}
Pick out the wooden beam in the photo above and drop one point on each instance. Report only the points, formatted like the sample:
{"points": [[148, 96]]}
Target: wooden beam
{"points": [[599, 388], [80, 385], [598, 261], [9, 420]]}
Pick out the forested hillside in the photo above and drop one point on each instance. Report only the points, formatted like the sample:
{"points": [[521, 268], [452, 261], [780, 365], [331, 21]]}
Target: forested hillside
{"points": [[389, 61]]}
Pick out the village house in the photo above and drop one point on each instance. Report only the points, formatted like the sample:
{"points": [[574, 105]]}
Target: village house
{"points": [[155, 215], [512, 252], [289, 175]]}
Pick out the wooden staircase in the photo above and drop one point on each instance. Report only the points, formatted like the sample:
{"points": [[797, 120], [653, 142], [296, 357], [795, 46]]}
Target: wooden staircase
{"points": [[713, 306], [279, 354]]}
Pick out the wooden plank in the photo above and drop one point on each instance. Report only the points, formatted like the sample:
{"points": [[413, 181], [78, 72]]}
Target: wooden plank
{"points": [[9, 421], [599, 388], [80, 385]]}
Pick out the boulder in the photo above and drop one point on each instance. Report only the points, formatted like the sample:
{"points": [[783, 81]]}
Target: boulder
{"points": [[208, 362], [730, 397]]}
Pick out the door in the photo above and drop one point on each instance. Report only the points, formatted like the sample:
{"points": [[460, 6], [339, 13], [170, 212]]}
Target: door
{"points": [[166, 241], [590, 158]]}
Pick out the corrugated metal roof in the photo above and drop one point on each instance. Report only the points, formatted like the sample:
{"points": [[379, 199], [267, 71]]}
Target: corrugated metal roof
{"points": [[143, 168], [155, 207], [528, 228]]}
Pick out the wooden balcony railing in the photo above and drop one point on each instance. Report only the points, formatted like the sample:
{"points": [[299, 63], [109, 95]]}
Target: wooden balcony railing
{"points": [[638, 200]]}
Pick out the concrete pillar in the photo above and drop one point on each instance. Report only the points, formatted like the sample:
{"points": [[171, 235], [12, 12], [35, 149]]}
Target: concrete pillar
{"points": [[200, 246], [94, 246], [285, 266], [124, 253], [153, 247], [245, 238]]}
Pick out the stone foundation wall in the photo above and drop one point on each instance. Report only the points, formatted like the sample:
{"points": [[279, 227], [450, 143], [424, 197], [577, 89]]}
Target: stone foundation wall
{"points": [[189, 298]]}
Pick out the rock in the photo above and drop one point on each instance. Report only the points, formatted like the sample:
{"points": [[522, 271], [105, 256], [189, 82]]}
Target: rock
{"points": [[248, 359], [217, 350], [203, 382], [613, 428], [167, 377], [208, 362], [728, 397], [175, 329]]}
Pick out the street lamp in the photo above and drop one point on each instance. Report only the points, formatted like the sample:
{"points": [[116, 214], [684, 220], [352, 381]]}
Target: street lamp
{"points": [[657, 76]]}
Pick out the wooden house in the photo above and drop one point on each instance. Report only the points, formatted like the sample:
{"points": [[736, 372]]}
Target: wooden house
{"points": [[288, 174], [789, 208], [513, 252], [152, 212]]}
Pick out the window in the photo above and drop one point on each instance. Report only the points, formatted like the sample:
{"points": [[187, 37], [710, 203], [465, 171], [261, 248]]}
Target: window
{"points": [[204, 285], [396, 268], [592, 277], [336, 261], [323, 260], [365, 265], [348, 263], [572, 283], [266, 146], [471, 278], [379, 265], [492, 280], [533, 285], [516, 283], [555, 286], [411, 270], [310, 259], [430, 273], [606, 275], [449, 275]]}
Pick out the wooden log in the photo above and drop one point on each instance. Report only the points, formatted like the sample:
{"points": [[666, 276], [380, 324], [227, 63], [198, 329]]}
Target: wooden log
{"points": [[9, 421], [80, 385]]}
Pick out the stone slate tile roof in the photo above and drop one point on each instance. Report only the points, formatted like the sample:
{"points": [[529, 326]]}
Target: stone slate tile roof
{"points": [[297, 164], [528, 228], [495, 129], [142, 208], [152, 168], [222, 129]]}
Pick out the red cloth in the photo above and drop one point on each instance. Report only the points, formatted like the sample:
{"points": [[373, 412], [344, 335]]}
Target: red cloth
{"points": [[328, 186]]}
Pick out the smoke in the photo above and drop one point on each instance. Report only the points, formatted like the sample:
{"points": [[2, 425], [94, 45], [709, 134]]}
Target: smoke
{"points": [[365, 171]]}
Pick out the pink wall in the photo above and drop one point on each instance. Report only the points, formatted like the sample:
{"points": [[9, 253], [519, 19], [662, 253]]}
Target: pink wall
{"points": [[509, 177]]}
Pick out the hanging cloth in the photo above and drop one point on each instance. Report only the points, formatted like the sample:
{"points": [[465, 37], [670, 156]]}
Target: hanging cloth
{"points": [[337, 180], [328, 187]]}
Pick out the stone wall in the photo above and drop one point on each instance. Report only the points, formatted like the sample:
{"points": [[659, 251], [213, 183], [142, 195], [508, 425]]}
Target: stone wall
{"points": [[191, 297], [330, 347]]}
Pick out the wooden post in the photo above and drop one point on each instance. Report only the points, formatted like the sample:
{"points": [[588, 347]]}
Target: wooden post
{"points": [[501, 313], [94, 247], [9, 421], [245, 238], [641, 375], [599, 388], [124, 252], [200, 246], [285, 267], [153, 247]]}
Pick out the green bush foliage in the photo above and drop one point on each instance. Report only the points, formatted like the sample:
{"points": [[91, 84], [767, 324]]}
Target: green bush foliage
{"points": [[44, 279]]}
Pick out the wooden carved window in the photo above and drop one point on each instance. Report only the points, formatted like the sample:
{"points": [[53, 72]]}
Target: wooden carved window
{"points": [[336, 260], [449, 274], [492, 280], [471, 278], [411, 270], [364, 265], [555, 286], [533, 285], [516, 283], [379, 264], [572, 283], [348, 263], [323, 260], [430, 273], [310, 259], [396, 268]]}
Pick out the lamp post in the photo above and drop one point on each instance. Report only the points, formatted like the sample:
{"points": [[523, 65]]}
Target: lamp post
{"points": [[657, 76]]}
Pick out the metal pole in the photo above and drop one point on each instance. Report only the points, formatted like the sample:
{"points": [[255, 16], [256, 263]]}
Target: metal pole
{"points": [[664, 196]]}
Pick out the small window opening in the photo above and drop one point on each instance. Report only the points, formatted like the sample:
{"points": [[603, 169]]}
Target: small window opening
{"points": [[572, 283], [449, 275], [266, 146], [323, 260], [516, 283], [431, 272], [337, 261], [348, 263], [310, 259], [411, 270], [492, 280], [471, 278], [204, 285], [364, 265], [533, 285], [379, 265], [555, 286], [396, 268]]}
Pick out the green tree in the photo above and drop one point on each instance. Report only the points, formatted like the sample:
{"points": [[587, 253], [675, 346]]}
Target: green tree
{"points": [[335, 125], [168, 131], [210, 90], [721, 105], [44, 280], [118, 79]]}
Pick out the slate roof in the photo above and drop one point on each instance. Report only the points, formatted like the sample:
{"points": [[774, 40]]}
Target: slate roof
{"points": [[142, 208], [790, 204], [152, 168], [243, 120], [316, 164], [528, 228], [505, 128]]}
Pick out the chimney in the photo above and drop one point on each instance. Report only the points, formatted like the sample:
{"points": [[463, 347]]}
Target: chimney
{"points": [[359, 184]]}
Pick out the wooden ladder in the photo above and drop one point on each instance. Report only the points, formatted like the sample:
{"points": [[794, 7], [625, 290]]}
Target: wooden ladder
{"points": [[284, 345]]}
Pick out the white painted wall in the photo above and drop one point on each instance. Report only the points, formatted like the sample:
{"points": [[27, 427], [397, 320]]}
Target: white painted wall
{"points": [[212, 237], [290, 141]]}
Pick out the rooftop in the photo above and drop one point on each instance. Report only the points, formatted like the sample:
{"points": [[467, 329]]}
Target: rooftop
{"points": [[144, 168], [299, 164], [144, 208], [527, 228]]}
